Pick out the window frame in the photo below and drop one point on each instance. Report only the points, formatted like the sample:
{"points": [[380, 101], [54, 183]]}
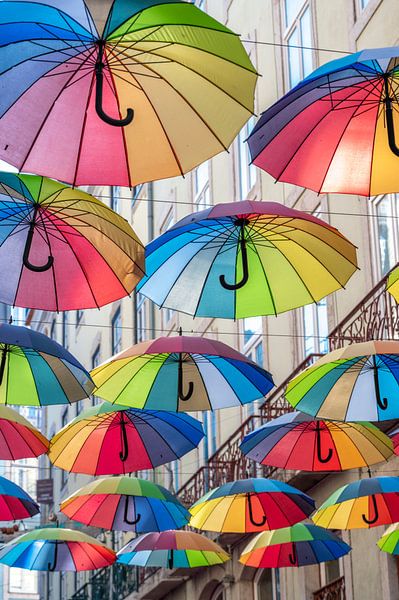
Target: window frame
{"points": [[378, 273], [141, 316], [95, 400], [244, 161], [287, 31], [116, 347]]}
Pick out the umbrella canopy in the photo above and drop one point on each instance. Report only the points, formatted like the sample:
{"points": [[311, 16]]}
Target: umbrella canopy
{"points": [[18, 438], [36, 371], [181, 373], [395, 439], [109, 439], [172, 550], [93, 103], [15, 503], [295, 546], [335, 131], [393, 284], [357, 383], [293, 441], [61, 248], [125, 504], [361, 504], [250, 505], [244, 259], [51, 549], [389, 541]]}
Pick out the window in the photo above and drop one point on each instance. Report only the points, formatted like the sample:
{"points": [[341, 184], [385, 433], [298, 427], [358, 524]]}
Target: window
{"points": [[201, 187], [65, 330], [115, 197], [168, 313], [117, 332], [315, 328], [141, 317], [386, 232], [176, 475], [252, 327], [52, 330], [247, 170], [136, 193], [298, 37], [363, 3], [64, 421], [95, 361], [79, 316], [267, 584], [210, 429]]}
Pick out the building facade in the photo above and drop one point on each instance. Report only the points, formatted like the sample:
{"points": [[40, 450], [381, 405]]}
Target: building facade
{"points": [[286, 40]]}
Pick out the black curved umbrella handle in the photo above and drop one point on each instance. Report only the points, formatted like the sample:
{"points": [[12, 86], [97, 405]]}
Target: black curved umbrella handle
{"points": [[190, 392], [125, 518], [244, 259], [389, 117], [170, 559], [99, 94], [293, 555], [3, 362], [376, 514], [52, 566], [382, 402], [28, 244], [320, 457], [124, 453], [251, 515]]}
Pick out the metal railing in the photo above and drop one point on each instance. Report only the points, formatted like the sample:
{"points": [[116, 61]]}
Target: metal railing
{"points": [[332, 591], [124, 581]]}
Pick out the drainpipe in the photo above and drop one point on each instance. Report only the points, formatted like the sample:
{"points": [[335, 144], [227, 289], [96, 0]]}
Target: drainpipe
{"points": [[151, 235]]}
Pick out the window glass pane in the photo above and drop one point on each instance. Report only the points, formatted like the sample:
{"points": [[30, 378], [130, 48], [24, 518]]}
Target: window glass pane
{"points": [[387, 229], [363, 3], [141, 318], [201, 177], [294, 58], [332, 570], [252, 326], [322, 326], [265, 585], [309, 329], [306, 40], [247, 171], [292, 8], [213, 432], [115, 198], [117, 332], [65, 330], [259, 354]]}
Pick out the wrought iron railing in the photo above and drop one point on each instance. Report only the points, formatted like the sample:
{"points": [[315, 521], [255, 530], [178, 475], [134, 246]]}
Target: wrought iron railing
{"points": [[228, 462], [124, 581], [332, 591], [376, 317]]}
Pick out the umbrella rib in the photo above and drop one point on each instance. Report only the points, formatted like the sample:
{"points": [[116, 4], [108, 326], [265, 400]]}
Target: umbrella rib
{"points": [[50, 254], [82, 132], [38, 132]]}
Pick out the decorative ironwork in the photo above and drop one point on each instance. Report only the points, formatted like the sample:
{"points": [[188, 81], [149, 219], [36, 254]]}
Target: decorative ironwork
{"points": [[333, 591], [228, 462], [376, 317], [124, 581]]}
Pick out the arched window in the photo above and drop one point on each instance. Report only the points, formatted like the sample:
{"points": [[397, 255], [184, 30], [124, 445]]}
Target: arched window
{"points": [[218, 594]]}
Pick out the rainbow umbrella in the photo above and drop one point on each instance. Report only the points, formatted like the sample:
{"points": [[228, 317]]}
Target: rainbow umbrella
{"points": [[56, 549], [250, 505], [335, 131], [389, 541], [93, 103], [361, 504], [393, 284], [15, 503], [61, 248], [357, 383], [172, 550], [125, 504], [295, 546], [181, 373], [295, 442], [109, 439], [18, 438], [244, 259], [394, 435], [36, 371]]}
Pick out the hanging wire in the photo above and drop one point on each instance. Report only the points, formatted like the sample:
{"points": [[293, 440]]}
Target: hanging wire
{"points": [[262, 43]]}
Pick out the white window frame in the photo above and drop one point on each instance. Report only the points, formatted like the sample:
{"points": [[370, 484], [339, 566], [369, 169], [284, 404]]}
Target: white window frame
{"points": [[246, 170], [168, 314], [95, 362], [375, 201], [116, 347], [141, 317], [256, 581], [201, 194], [288, 30]]}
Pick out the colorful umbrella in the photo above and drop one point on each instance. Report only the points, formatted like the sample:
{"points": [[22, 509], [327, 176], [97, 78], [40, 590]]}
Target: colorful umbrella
{"points": [[250, 505], [109, 439], [389, 541], [172, 550], [361, 504], [295, 442], [36, 371], [61, 248], [245, 259], [125, 504], [181, 373], [335, 131], [393, 284], [18, 438], [295, 546], [51, 549], [15, 503], [395, 440], [89, 104], [357, 383]]}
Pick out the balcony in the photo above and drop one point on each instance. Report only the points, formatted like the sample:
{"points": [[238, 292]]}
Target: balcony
{"points": [[333, 591], [123, 581]]}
